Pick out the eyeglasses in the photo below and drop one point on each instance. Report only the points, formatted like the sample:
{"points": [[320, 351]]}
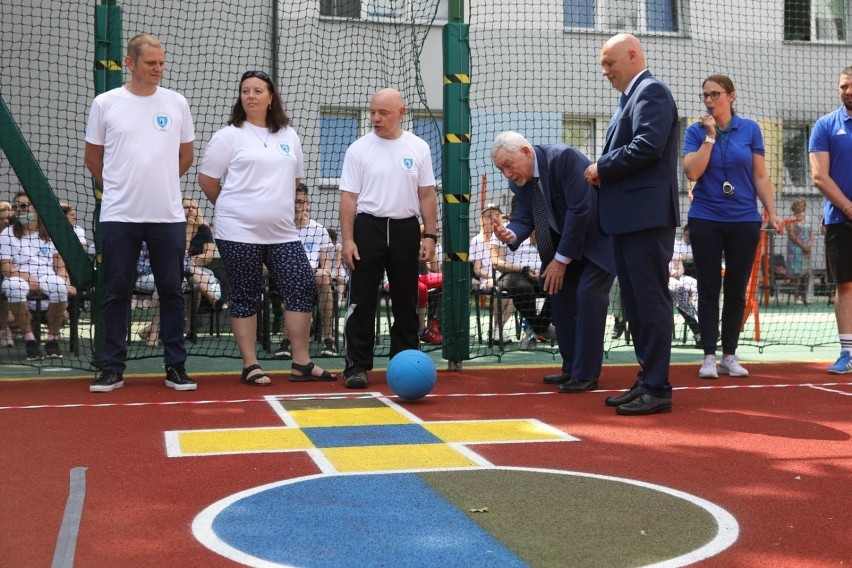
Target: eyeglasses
{"points": [[21, 206], [300, 202], [258, 74], [712, 95]]}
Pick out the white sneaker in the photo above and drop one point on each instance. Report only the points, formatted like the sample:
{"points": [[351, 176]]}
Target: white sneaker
{"points": [[730, 366], [708, 368]]}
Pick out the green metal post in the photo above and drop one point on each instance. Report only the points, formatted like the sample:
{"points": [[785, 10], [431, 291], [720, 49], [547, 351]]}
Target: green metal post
{"points": [[107, 75], [455, 324], [44, 199]]}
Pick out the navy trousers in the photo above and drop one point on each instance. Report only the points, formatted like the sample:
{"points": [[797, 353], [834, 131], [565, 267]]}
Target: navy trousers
{"points": [[120, 247]]}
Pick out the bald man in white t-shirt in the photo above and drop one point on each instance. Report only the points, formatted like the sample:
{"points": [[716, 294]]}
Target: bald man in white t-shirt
{"points": [[139, 143], [387, 182]]}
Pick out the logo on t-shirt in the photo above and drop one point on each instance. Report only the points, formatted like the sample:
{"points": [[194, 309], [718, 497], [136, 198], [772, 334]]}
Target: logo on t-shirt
{"points": [[841, 132], [162, 121], [407, 164], [285, 149]]}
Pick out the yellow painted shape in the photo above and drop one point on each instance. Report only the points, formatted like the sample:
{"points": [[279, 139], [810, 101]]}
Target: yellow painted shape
{"points": [[316, 418], [497, 431], [243, 440], [385, 458]]}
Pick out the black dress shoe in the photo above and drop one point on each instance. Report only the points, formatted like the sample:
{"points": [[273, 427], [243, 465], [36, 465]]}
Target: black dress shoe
{"points": [[576, 385], [557, 379], [628, 396], [645, 404]]}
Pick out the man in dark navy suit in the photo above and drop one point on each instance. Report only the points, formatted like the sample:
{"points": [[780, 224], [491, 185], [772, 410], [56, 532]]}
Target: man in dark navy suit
{"points": [[638, 205], [578, 267]]}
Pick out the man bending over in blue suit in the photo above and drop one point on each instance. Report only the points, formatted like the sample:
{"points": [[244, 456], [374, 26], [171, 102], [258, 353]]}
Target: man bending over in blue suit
{"points": [[638, 198], [577, 259]]}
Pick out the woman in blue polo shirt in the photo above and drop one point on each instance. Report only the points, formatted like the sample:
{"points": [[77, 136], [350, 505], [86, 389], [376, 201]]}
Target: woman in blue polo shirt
{"points": [[724, 156]]}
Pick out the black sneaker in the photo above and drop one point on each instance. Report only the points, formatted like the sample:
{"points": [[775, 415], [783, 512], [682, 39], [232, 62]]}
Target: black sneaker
{"points": [[283, 351], [357, 380], [51, 348], [329, 348], [34, 351], [108, 381], [177, 379]]}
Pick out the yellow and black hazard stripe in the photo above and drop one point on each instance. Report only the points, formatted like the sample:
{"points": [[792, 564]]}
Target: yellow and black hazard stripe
{"points": [[456, 256], [457, 138], [108, 65], [456, 199], [457, 79]]}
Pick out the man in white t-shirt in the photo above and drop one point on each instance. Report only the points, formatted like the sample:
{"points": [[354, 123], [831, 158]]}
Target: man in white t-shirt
{"points": [[139, 143], [387, 182]]}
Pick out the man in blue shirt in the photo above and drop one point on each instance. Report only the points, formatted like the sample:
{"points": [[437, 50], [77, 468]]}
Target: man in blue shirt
{"points": [[831, 169]]}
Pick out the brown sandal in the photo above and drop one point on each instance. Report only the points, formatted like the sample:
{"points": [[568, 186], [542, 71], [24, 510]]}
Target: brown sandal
{"points": [[252, 380], [308, 374]]}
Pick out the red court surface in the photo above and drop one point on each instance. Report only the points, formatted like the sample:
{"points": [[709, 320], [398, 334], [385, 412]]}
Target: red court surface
{"points": [[773, 450]]}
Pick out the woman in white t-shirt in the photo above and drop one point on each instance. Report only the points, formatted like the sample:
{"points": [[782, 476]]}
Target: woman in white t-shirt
{"points": [[30, 263], [249, 172]]}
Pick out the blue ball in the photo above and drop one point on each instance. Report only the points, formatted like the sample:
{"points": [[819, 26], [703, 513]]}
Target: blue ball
{"points": [[411, 374]]}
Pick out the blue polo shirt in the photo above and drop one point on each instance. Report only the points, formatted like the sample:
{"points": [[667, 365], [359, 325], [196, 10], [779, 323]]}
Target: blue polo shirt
{"points": [[833, 134], [733, 154]]}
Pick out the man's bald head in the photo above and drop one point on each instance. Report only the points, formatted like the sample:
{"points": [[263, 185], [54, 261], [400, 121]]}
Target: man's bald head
{"points": [[386, 111], [622, 58]]}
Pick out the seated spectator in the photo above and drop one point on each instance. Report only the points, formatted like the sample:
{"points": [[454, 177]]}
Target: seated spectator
{"points": [[31, 264], [338, 272], [200, 251], [519, 277], [320, 251], [145, 285], [6, 338], [483, 271], [431, 279], [71, 214], [684, 291]]}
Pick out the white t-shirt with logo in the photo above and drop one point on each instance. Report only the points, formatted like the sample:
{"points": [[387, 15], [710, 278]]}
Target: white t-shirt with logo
{"points": [[387, 173], [258, 199], [315, 239], [141, 137], [28, 254]]}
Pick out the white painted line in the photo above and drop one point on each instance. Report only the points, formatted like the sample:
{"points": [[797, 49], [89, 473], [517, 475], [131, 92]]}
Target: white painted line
{"points": [[66, 542]]}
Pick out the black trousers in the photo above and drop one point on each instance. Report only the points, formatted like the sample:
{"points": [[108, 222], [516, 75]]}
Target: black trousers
{"points": [[738, 242], [384, 245]]}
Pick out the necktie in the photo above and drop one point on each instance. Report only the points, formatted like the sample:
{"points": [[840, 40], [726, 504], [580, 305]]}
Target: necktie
{"points": [[541, 224], [615, 116]]}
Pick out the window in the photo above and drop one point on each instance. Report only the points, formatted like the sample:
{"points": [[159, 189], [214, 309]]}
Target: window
{"points": [[337, 131], [386, 10], [431, 130], [815, 20], [580, 134], [641, 16], [797, 174]]}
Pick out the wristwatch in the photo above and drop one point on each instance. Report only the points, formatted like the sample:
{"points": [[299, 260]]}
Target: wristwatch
{"points": [[430, 236], [708, 139]]}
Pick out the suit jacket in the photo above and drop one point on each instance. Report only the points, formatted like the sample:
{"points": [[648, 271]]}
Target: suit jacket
{"points": [[572, 207], [638, 168]]}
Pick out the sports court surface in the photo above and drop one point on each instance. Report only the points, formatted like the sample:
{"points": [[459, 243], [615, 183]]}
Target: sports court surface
{"points": [[492, 469]]}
